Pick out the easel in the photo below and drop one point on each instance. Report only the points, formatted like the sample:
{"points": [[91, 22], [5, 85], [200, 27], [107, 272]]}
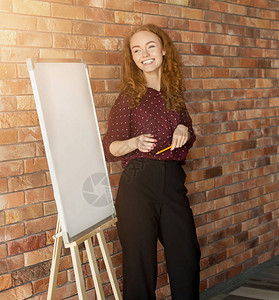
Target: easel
{"points": [[77, 263]]}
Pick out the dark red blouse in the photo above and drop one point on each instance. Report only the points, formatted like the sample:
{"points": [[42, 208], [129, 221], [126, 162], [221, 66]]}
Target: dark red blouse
{"points": [[148, 117]]}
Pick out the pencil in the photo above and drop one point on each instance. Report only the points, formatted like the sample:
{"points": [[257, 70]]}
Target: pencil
{"points": [[163, 150]]}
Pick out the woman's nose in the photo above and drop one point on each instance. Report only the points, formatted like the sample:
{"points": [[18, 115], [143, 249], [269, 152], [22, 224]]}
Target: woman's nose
{"points": [[145, 53]]}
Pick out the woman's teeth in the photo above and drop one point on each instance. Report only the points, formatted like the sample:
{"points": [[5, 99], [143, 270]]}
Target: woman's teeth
{"points": [[149, 61]]}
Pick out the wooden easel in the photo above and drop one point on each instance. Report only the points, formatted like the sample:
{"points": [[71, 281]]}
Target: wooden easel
{"points": [[77, 263]]}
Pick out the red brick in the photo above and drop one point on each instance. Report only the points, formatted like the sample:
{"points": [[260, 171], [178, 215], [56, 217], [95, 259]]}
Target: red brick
{"points": [[146, 7], [195, 175], [6, 6], [192, 13], [17, 119], [39, 225], [50, 208], [31, 7], [23, 213], [8, 103], [41, 285], [34, 39], [104, 72], [3, 251], [212, 270], [31, 273], [192, 37], [5, 282], [98, 43], [157, 20], [49, 236], [25, 103], [54, 25], [38, 256], [163, 292], [9, 136], [15, 21], [7, 70], [67, 11], [26, 244], [69, 41], [200, 49], [56, 53], [40, 149], [11, 263], [116, 30], [17, 55], [11, 169], [99, 15], [48, 179], [35, 165], [11, 200], [98, 86], [88, 28], [93, 3], [121, 5], [39, 195], [195, 84], [26, 182], [22, 72], [66, 290], [65, 263], [11, 232], [219, 6], [21, 292], [127, 18], [92, 57], [113, 58], [12, 87], [170, 10], [175, 35]]}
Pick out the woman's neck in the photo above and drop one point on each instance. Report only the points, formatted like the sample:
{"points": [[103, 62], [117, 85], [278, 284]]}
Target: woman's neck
{"points": [[153, 80]]}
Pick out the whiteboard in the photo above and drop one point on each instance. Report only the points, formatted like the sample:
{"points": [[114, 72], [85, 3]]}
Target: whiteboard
{"points": [[73, 145]]}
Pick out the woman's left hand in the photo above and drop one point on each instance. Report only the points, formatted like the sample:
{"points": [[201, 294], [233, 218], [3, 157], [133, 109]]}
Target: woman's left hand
{"points": [[180, 136]]}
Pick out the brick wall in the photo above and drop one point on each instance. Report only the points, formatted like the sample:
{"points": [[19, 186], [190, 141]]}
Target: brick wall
{"points": [[231, 66]]}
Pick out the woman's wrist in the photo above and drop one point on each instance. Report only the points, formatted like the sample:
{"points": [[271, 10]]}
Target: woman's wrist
{"points": [[133, 143], [119, 148]]}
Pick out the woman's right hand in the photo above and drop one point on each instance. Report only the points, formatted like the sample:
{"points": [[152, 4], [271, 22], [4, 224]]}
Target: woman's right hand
{"points": [[145, 142]]}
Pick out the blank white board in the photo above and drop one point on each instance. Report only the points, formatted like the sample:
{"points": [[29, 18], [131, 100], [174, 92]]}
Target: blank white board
{"points": [[73, 145]]}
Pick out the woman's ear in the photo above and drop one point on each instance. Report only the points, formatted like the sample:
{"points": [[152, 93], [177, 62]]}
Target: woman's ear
{"points": [[163, 52]]}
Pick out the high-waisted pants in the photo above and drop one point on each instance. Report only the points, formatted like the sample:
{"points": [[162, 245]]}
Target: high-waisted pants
{"points": [[151, 203]]}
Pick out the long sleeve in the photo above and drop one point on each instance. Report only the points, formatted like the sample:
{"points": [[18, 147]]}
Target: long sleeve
{"points": [[118, 126], [150, 116], [186, 120]]}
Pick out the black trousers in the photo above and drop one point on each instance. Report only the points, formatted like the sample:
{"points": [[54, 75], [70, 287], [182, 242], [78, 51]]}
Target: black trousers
{"points": [[151, 203]]}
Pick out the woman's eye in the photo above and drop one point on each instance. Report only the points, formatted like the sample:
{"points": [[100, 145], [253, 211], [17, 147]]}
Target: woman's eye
{"points": [[151, 46], [137, 51]]}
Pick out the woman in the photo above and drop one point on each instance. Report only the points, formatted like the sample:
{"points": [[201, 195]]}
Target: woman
{"points": [[148, 116]]}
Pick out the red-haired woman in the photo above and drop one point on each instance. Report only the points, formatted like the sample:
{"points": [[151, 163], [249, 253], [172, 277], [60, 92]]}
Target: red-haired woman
{"points": [[148, 116]]}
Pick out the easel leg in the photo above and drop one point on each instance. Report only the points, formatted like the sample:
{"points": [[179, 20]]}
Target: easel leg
{"points": [[109, 266], [94, 269], [77, 264], [78, 272], [54, 264]]}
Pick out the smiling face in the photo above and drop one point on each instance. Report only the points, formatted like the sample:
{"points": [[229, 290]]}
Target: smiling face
{"points": [[147, 52]]}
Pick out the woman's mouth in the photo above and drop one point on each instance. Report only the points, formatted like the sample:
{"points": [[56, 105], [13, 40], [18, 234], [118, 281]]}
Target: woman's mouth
{"points": [[148, 62]]}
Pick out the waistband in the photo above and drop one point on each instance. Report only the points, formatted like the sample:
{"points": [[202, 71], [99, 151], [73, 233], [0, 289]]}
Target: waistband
{"points": [[155, 161]]}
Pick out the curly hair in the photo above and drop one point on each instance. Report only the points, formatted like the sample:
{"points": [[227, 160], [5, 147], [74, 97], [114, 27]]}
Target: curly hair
{"points": [[133, 82]]}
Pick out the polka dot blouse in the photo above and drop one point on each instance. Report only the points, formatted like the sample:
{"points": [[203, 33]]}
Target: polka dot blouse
{"points": [[151, 117]]}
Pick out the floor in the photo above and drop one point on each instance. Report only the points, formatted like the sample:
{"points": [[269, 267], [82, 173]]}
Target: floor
{"points": [[262, 285]]}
